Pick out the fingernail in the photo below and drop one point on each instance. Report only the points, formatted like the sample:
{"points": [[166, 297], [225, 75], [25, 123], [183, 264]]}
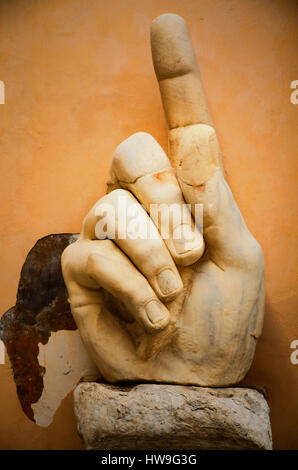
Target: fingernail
{"points": [[168, 282], [184, 239], [156, 312]]}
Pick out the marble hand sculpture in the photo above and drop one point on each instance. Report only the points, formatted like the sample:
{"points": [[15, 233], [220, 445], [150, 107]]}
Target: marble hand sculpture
{"points": [[185, 310]]}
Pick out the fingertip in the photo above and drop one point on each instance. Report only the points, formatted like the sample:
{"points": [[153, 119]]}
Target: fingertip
{"points": [[167, 284], [171, 46], [154, 316], [186, 252], [166, 19]]}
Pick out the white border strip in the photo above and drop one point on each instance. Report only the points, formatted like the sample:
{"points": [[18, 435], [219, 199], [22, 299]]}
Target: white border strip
{"points": [[2, 352]]}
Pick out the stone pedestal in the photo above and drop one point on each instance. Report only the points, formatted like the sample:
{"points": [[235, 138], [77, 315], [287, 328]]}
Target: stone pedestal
{"points": [[153, 416]]}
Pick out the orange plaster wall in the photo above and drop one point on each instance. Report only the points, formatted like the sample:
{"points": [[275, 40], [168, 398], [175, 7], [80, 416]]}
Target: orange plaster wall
{"points": [[79, 79]]}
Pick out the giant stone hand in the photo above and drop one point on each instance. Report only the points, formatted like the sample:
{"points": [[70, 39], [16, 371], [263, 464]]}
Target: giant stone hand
{"points": [[182, 310]]}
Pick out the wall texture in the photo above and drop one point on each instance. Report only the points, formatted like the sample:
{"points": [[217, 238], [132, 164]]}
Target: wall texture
{"points": [[79, 79]]}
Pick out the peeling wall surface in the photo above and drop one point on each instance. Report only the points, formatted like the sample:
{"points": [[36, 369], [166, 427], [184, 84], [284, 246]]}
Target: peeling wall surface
{"points": [[66, 363], [79, 79], [45, 350]]}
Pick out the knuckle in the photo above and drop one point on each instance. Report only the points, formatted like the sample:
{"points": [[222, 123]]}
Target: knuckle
{"points": [[137, 156], [110, 198], [68, 255], [252, 259], [195, 152], [92, 264], [256, 257]]}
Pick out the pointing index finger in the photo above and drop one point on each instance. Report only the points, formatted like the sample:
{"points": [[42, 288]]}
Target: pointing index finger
{"points": [[178, 73]]}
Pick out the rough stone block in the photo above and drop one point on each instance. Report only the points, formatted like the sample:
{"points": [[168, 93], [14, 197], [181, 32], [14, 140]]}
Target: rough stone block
{"points": [[153, 416]]}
